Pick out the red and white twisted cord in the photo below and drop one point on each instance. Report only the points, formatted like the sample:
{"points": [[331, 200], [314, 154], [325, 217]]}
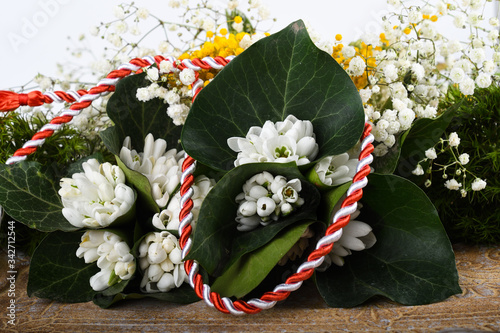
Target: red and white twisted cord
{"points": [[82, 99], [304, 271]]}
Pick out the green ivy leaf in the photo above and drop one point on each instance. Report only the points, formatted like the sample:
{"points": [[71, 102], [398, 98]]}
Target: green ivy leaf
{"points": [[387, 164], [137, 119], [329, 200], [252, 268], [217, 242], [412, 262], [28, 193], [142, 186], [424, 134], [57, 273], [283, 74]]}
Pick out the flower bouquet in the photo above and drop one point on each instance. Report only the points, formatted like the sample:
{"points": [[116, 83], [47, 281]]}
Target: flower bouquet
{"points": [[272, 151], [234, 175]]}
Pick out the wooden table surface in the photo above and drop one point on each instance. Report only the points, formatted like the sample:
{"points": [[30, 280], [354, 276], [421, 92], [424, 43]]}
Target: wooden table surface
{"points": [[477, 309]]}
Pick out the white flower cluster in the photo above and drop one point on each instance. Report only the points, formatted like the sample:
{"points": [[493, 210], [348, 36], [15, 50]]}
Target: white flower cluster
{"points": [[160, 259], [291, 140], [178, 97], [337, 169], [356, 236], [162, 168], [265, 198], [406, 68], [112, 255], [96, 197], [457, 163], [168, 219]]}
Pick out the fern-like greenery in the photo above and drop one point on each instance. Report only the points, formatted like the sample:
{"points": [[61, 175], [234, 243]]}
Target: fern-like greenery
{"points": [[475, 218]]}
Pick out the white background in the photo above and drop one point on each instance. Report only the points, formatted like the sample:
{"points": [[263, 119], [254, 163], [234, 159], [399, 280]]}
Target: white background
{"points": [[26, 52]]}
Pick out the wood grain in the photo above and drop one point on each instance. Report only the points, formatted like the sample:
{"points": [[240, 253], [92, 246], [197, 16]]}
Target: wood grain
{"points": [[476, 309]]}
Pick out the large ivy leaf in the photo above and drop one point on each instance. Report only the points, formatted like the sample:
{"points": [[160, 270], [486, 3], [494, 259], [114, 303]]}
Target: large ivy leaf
{"points": [[28, 193], [136, 119], [251, 269], [412, 262], [57, 273], [283, 74], [217, 242], [422, 135]]}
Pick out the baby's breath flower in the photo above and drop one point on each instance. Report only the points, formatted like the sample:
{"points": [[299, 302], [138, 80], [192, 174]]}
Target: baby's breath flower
{"points": [[467, 86], [463, 158], [452, 184], [418, 171], [431, 153], [478, 184], [142, 13], [454, 140], [187, 76], [118, 12], [483, 80], [357, 66]]}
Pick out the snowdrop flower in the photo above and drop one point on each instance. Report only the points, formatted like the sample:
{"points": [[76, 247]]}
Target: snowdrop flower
{"points": [[478, 184], [291, 140], [96, 197], [356, 236], [431, 153], [265, 198], [162, 168], [168, 219], [336, 170], [112, 255], [453, 139], [160, 259], [463, 158], [452, 184]]}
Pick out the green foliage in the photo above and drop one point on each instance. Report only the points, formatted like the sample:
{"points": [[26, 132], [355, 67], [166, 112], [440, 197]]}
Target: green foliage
{"points": [[306, 82], [57, 273], [217, 243], [137, 119], [412, 262], [474, 218], [64, 147]]}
